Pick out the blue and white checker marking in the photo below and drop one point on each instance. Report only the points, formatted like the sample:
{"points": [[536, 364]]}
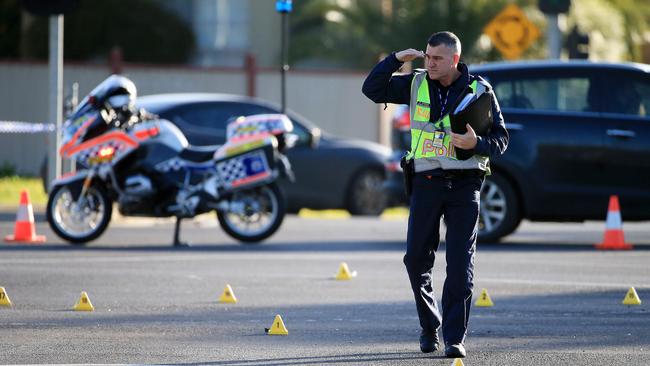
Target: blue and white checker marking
{"points": [[176, 163], [241, 167], [171, 164], [85, 155]]}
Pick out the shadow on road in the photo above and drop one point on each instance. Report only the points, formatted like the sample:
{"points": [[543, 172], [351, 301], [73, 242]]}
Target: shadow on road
{"points": [[587, 320], [542, 247], [310, 246], [11, 217], [368, 358], [318, 246]]}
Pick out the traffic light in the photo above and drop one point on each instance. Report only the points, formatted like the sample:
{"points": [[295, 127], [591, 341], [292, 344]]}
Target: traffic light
{"points": [[49, 7], [554, 6], [578, 44], [283, 6]]}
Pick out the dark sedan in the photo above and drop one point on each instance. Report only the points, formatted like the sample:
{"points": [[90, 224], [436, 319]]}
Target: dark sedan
{"points": [[331, 172], [579, 132]]}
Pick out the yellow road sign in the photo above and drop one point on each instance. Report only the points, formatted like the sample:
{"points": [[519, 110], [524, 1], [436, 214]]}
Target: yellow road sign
{"points": [[511, 32]]}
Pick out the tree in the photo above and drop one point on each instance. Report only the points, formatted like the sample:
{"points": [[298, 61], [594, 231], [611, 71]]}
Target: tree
{"points": [[636, 18], [143, 30], [10, 24], [603, 24], [355, 36]]}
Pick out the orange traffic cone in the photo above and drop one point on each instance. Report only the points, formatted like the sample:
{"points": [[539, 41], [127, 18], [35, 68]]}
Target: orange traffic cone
{"points": [[24, 230], [614, 238]]}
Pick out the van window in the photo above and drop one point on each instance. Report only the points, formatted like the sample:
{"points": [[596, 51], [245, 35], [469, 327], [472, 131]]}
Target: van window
{"points": [[557, 94], [630, 95]]}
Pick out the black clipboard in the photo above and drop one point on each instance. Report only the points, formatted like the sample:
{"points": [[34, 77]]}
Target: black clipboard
{"points": [[479, 115]]}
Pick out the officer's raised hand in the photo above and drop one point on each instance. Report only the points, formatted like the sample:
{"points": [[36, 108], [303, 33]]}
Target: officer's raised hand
{"points": [[466, 141], [409, 55]]}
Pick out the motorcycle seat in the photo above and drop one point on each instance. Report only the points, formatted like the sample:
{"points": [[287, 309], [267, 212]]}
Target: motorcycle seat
{"points": [[199, 154]]}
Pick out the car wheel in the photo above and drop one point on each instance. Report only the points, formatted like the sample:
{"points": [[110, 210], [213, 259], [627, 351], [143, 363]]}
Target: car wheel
{"points": [[500, 213], [366, 195]]}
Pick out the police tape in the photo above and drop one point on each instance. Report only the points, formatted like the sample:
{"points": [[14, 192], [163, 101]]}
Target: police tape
{"points": [[25, 127]]}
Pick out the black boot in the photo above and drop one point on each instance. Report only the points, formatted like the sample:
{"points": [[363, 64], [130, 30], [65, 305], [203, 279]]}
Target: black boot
{"points": [[428, 341], [455, 350]]}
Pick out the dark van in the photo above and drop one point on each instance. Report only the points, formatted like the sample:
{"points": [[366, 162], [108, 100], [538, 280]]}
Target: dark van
{"points": [[579, 132]]}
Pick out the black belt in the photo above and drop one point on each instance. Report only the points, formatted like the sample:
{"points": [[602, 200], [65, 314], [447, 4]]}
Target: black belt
{"points": [[454, 173], [463, 173]]}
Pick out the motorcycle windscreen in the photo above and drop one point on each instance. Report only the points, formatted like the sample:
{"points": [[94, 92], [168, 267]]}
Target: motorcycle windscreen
{"points": [[84, 127]]}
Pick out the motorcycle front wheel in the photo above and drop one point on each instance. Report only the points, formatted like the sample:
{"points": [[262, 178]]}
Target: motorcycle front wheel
{"points": [[254, 214], [82, 220]]}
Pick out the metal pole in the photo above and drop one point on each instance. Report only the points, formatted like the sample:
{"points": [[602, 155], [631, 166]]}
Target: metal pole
{"points": [[285, 61], [56, 95], [554, 36], [74, 102]]}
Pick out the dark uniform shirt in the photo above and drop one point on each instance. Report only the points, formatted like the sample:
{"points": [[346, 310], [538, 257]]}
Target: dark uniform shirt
{"points": [[382, 87]]}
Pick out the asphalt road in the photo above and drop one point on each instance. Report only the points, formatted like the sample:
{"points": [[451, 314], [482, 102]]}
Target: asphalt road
{"points": [[557, 300]]}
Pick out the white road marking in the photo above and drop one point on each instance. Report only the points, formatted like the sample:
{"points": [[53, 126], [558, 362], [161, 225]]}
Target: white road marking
{"points": [[559, 283]]}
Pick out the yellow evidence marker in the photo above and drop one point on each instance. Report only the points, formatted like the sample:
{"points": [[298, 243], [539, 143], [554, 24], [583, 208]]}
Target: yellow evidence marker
{"points": [[344, 273], [278, 327], [631, 298], [458, 362], [84, 304], [484, 300], [228, 296], [4, 298]]}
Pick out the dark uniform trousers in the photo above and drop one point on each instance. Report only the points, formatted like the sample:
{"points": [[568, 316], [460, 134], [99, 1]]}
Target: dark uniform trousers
{"points": [[457, 198]]}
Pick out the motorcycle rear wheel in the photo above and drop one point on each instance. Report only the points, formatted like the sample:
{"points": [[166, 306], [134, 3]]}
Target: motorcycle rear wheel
{"points": [[77, 223], [256, 214]]}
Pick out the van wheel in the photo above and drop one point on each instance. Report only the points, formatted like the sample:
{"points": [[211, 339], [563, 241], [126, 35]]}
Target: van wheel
{"points": [[500, 213]]}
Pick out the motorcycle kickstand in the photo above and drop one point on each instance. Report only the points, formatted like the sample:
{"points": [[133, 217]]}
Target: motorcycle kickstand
{"points": [[177, 229]]}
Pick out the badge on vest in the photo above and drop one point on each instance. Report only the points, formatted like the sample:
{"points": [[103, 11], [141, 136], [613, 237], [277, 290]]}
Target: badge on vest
{"points": [[422, 111], [438, 138]]}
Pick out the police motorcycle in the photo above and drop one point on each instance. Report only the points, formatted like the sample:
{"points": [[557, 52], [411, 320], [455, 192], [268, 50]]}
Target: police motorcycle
{"points": [[146, 166]]}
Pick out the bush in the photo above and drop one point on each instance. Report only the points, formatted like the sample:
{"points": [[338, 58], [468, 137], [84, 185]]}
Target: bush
{"points": [[7, 169]]}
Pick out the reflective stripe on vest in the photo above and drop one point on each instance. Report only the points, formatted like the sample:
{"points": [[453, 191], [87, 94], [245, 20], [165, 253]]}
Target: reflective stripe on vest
{"points": [[431, 145]]}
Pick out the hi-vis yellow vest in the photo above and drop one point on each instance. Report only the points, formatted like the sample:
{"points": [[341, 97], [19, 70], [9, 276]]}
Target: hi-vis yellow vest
{"points": [[431, 145]]}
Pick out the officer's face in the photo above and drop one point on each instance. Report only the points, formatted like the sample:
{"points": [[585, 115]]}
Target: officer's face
{"points": [[440, 61]]}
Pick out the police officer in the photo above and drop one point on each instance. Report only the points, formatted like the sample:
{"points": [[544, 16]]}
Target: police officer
{"points": [[442, 185]]}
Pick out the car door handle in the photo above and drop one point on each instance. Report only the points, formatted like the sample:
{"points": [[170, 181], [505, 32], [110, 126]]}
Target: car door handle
{"points": [[514, 126], [621, 133]]}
